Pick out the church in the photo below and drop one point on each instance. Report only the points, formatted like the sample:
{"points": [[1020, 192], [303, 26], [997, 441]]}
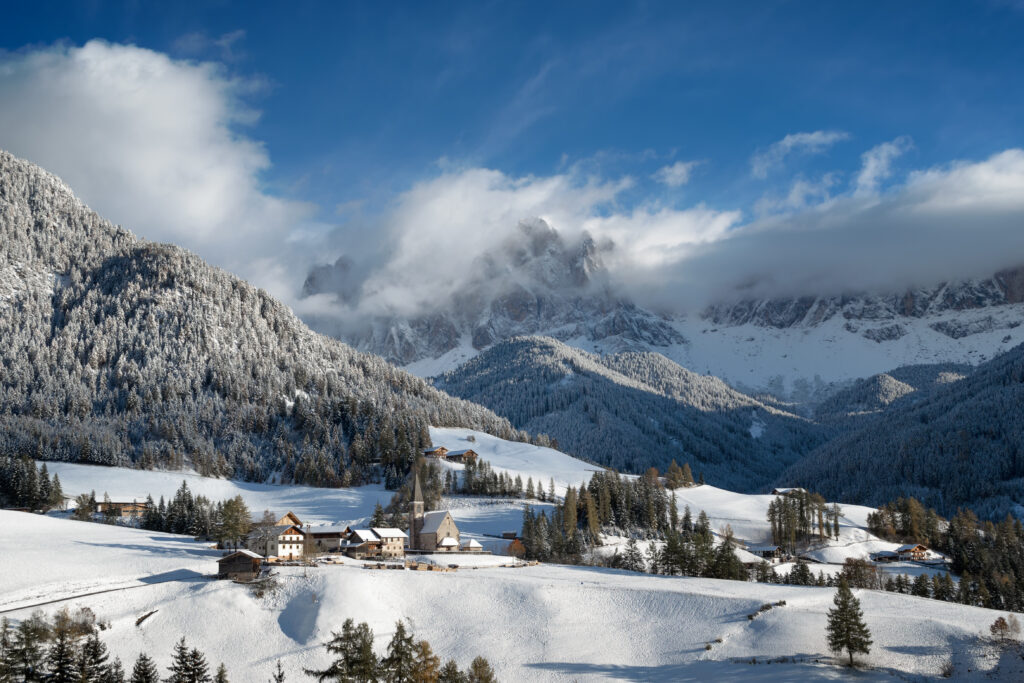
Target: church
{"points": [[430, 532]]}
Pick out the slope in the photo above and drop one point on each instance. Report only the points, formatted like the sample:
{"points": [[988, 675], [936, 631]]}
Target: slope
{"points": [[961, 446], [118, 351], [633, 410], [545, 623]]}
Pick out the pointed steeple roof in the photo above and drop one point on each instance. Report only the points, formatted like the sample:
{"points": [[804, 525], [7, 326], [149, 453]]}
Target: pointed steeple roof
{"points": [[417, 492]]}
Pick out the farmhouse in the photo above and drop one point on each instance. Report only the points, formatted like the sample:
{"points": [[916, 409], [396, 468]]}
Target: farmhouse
{"points": [[284, 541], [912, 551], [122, 508], [289, 518], [885, 556], [436, 452], [326, 539], [241, 565], [431, 531], [361, 543], [392, 541], [463, 456]]}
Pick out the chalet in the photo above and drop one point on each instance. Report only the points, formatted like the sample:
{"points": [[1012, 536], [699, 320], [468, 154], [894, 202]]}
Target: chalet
{"points": [[122, 508], [241, 565], [392, 541], [914, 552], [430, 531], [284, 541], [435, 452], [765, 552], [787, 491], [326, 539], [463, 456], [289, 518], [885, 556], [361, 543]]}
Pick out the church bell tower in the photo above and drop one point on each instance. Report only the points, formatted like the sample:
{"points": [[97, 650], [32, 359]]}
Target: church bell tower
{"points": [[415, 515]]}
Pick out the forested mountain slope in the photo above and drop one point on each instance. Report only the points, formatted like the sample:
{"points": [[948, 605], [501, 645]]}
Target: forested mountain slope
{"points": [[117, 350], [633, 410], [963, 445]]}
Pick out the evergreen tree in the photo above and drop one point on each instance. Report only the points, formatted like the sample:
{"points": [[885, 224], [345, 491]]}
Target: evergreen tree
{"points": [[199, 671], [450, 673], [400, 663], [278, 676], [480, 671], [181, 664], [92, 660], [428, 665], [378, 520], [27, 656], [846, 628], [114, 672], [144, 671], [62, 659], [222, 673]]}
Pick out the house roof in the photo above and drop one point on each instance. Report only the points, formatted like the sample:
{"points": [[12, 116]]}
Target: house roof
{"points": [[472, 543], [462, 452], [762, 548], [417, 492], [885, 553], [246, 553], [432, 521], [326, 530], [910, 546], [448, 542], [389, 532], [365, 535], [435, 448]]}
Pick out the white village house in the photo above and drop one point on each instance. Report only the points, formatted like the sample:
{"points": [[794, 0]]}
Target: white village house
{"points": [[285, 540]]}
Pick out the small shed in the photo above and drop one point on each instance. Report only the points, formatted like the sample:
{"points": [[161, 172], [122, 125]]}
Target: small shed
{"points": [[472, 546], [448, 545], [241, 565], [766, 552]]}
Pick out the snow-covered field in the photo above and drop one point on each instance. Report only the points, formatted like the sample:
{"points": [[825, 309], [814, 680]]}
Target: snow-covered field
{"points": [[545, 623]]}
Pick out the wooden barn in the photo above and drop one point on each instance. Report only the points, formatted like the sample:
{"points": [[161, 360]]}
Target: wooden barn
{"points": [[122, 508], [463, 456], [242, 565]]}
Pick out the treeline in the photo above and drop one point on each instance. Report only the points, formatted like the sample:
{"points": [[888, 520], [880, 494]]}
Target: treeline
{"points": [[227, 521], [407, 660], [68, 649], [988, 556], [23, 484], [798, 517], [118, 351]]}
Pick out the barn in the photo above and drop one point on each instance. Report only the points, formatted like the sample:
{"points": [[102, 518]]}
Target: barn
{"points": [[241, 565]]}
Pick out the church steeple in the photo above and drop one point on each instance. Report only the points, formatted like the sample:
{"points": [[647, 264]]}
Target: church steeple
{"points": [[416, 513]]}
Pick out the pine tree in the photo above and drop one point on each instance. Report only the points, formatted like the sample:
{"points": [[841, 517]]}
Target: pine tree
{"points": [[144, 671], [92, 660], [450, 673], [278, 676], [222, 673], [480, 671], [400, 662], [181, 664], [378, 520], [199, 672], [114, 673], [846, 628], [62, 659], [428, 665]]}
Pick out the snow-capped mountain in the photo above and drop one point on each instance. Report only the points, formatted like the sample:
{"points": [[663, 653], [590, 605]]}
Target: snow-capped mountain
{"points": [[800, 349]]}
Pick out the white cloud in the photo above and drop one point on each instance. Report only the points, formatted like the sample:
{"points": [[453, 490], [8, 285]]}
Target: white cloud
{"points": [[802, 194], [151, 143], [815, 142], [950, 222], [876, 164], [677, 174]]}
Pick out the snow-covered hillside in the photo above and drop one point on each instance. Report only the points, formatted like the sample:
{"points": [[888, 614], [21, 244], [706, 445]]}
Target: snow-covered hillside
{"points": [[544, 623]]}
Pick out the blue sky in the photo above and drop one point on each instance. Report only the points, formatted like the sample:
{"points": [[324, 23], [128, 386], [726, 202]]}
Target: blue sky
{"points": [[359, 102]]}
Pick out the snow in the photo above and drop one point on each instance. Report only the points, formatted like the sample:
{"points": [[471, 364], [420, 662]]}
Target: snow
{"points": [[542, 623], [523, 459]]}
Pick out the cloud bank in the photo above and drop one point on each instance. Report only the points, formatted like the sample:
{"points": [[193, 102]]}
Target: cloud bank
{"points": [[152, 143]]}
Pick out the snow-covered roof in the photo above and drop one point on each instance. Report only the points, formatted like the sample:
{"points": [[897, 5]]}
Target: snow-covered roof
{"points": [[462, 452], [432, 521], [389, 532], [472, 543], [762, 548], [247, 553], [365, 535], [746, 557], [448, 542], [780, 490]]}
